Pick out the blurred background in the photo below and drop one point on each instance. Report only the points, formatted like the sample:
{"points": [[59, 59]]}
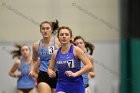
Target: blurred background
{"points": [[98, 21]]}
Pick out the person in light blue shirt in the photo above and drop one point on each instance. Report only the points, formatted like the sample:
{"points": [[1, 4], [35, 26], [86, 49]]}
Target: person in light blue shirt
{"points": [[25, 82], [88, 50], [42, 51]]}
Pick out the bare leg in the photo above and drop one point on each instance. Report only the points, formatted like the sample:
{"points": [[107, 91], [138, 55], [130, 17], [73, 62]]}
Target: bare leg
{"points": [[44, 88], [19, 91], [60, 92]]}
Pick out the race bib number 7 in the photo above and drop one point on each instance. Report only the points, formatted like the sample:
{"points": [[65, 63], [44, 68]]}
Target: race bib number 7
{"points": [[70, 64]]}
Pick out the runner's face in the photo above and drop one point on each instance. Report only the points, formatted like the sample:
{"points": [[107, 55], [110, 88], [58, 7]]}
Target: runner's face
{"points": [[25, 51], [80, 43], [46, 30], [64, 36]]}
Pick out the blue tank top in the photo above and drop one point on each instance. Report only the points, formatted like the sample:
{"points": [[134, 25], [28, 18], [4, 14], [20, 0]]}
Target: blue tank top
{"points": [[67, 62], [45, 54], [85, 75], [25, 81]]}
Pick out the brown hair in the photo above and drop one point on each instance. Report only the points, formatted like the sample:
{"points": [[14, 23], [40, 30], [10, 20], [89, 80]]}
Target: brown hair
{"points": [[54, 25], [17, 52], [89, 46]]}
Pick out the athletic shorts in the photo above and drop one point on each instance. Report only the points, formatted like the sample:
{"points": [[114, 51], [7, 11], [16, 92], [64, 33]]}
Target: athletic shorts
{"points": [[27, 90], [70, 87], [86, 85], [44, 77]]}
